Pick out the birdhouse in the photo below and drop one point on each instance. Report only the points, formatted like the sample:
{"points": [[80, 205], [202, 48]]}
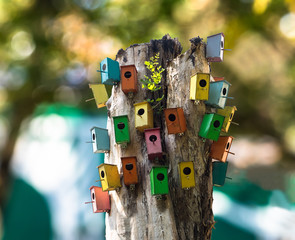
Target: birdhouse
{"points": [[100, 200], [215, 48], [153, 143], [129, 79], [219, 170], [211, 126], [175, 120], [199, 86], [110, 72], [220, 149], [159, 181], [187, 174], [228, 113], [121, 126], [143, 116], [109, 177], [101, 94], [129, 170], [218, 93], [100, 140]]}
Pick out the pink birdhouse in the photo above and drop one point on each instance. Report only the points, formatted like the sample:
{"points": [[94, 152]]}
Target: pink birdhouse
{"points": [[153, 143], [100, 200]]}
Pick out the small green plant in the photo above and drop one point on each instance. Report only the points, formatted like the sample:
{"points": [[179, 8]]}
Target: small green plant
{"points": [[153, 83]]}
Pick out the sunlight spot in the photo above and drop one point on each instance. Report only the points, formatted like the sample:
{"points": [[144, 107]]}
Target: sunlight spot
{"points": [[287, 25], [22, 45]]}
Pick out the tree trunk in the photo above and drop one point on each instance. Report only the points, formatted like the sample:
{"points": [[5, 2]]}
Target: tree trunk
{"points": [[182, 214]]}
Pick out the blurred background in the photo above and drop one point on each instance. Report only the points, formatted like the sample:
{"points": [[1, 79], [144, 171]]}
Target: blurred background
{"points": [[50, 51]]}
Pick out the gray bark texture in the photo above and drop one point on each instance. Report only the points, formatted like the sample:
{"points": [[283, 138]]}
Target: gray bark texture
{"points": [[182, 214]]}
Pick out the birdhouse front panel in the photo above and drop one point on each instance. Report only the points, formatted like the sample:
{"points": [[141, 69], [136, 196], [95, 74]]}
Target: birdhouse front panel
{"points": [[110, 72], [129, 170], [129, 79], [143, 116], [211, 126], [121, 126], [220, 149], [218, 94], [109, 176], [159, 181], [199, 86], [228, 113], [175, 120], [187, 174], [219, 170], [100, 140], [100, 200], [101, 94], [153, 143], [215, 48]]}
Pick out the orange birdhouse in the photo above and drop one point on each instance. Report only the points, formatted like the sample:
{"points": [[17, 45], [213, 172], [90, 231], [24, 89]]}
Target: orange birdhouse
{"points": [[175, 120], [129, 79], [129, 170], [220, 149]]}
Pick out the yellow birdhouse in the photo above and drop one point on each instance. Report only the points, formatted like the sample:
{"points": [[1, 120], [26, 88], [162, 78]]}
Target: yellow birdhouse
{"points": [[228, 113], [101, 93], [199, 86], [187, 174], [143, 116], [109, 177]]}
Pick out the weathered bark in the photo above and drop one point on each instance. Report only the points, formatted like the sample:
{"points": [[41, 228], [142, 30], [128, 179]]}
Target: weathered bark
{"points": [[183, 214]]}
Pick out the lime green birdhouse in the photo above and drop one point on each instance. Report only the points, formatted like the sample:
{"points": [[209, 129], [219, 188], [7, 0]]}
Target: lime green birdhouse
{"points": [[121, 126], [211, 126], [159, 181]]}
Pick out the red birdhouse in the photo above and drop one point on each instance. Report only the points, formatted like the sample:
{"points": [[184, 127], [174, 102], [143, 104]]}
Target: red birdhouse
{"points": [[100, 200], [153, 143], [220, 149]]}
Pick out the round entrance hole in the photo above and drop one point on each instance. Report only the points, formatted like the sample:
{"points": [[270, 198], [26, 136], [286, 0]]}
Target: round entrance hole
{"points": [[129, 166], [160, 176], [104, 67], [102, 174], [127, 74], [153, 138], [171, 117], [224, 91], [140, 112], [93, 136], [187, 170], [203, 83], [216, 124], [121, 125]]}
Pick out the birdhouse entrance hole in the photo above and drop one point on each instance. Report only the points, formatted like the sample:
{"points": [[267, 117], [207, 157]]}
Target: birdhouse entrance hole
{"points": [[160, 176], [171, 117], [203, 83], [93, 196], [224, 91], [227, 145], [93, 136], [140, 112], [187, 170], [104, 67], [216, 124], [102, 174], [153, 138], [121, 126], [129, 166], [127, 74], [221, 44], [231, 116]]}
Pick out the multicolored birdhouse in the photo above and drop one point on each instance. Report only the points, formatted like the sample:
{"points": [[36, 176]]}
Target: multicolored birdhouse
{"points": [[129, 170], [228, 113], [129, 79], [100, 200], [100, 140], [121, 126], [153, 143], [221, 148], [219, 170], [215, 48], [187, 174], [101, 94], [199, 86], [143, 116], [218, 93], [175, 120], [109, 176], [211, 126], [110, 72], [159, 180]]}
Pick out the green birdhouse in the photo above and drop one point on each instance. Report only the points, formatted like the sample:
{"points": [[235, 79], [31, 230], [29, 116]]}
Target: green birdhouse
{"points": [[121, 126], [159, 180], [219, 173], [211, 126]]}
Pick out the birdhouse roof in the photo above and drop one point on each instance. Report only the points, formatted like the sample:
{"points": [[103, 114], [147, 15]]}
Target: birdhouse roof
{"points": [[131, 65], [103, 164], [98, 128], [92, 187], [120, 116], [151, 129], [218, 79], [141, 103], [216, 35], [221, 81]]}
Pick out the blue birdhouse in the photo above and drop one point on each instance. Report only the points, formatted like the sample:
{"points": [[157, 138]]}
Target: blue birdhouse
{"points": [[218, 94], [215, 48], [100, 140], [219, 170], [110, 72]]}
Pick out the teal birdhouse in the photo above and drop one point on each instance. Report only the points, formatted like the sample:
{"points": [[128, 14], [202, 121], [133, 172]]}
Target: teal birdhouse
{"points": [[100, 140], [218, 92], [110, 72], [121, 126], [219, 170], [211, 126], [159, 181]]}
